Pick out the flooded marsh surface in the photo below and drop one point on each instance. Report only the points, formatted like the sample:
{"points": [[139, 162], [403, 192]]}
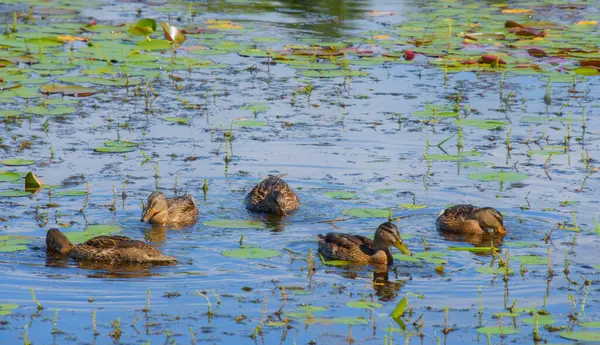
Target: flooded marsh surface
{"points": [[373, 110]]}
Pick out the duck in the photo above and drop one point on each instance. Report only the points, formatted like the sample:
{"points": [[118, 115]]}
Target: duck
{"points": [[272, 195], [469, 219], [178, 210], [115, 249], [360, 249]]}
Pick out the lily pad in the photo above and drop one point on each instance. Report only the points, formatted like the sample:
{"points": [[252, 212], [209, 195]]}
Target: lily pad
{"points": [[364, 305], [493, 270], [17, 162], [582, 336], [471, 249], [542, 320], [498, 176], [71, 193], [70, 90], [250, 123], [179, 120], [333, 73], [367, 213], [592, 324], [407, 258], [13, 193], [92, 231], [530, 259], [6, 308], [340, 195], [497, 330], [412, 206], [256, 107], [6, 176], [252, 253], [114, 149], [484, 124], [234, 224], [48, 111]]}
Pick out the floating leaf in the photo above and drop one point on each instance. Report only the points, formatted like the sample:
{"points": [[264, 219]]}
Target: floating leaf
{"points": [[493, 270], [412, 206], [256, 107], [155, 45], [114, 149], [497, 330], [587, 71], [252, 253], [6, 309], [17, 162], [179, 120], [364, 304], [592, 324], [71, 193], [250, 123], [333, 73], [121, 143], [498, 176], [407, 258], [32, 181], [143, 27], [70, 90], [530, 259], [384, 191], [366, 213], [39, 110], [172, 33], [6, 176], [582, 336], [234, 224], [481, 123], [340, 195], [542, 320], [400, 308], [13, 193], [92, 231]]}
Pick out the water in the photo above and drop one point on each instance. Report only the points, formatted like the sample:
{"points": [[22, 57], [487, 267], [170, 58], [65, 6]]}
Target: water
{"points": [[354, 135]]}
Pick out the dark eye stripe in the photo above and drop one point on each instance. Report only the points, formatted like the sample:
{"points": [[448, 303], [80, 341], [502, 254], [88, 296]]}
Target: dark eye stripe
{"points": [[389, 227]]}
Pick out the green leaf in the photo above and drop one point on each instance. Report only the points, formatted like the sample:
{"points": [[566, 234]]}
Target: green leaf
{"points": [[55, 111], [114, 149], [592, 324], [481, 123], [493, 270], [471, 249], [252, 253], [17, 162], [70, 193], [530, 259], [364, 305], [582, 336], [249, 123], [366, 213], [542, 320], [179, 120], [6, 176], [498, 176], [497, 330], [340, 195], [400, 308], [13, 193]]}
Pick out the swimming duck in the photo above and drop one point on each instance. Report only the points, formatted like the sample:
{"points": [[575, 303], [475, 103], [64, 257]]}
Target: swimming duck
{"points": [[469, 219], [105, 248], [161, 210], [360, 249], [272, 195]]}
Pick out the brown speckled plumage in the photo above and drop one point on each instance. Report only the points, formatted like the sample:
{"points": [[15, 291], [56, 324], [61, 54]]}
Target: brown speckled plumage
{"points": [[469, 219], [177, 210], [105, 248], [360, 249], [272, 195]]}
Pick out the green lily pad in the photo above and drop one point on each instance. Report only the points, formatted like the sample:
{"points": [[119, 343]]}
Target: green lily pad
{"points": [[593, 337], [155, 45], [179, 120], [6, 176], [332, 73], [412, 206], [92, 231], [120, 143], [13, 193], [256, 107], [497, 330], [39, 110], [17, 162], [114, 149], [498, 176], [250, 123], [70, 193], [364, 305], [6, 309], [384, 191], [484, 124], [366, 213], [234, 224], [521, 244], [340, 195], [592, 324], [587, 71], [530, 259], [542, 320], [252, 253], [493, 270], [407, 258]]}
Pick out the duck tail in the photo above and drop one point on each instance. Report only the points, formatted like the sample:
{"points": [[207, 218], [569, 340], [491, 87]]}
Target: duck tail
{"points": [[57, 242]]}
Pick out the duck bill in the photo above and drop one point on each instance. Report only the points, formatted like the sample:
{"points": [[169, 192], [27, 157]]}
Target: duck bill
{"points": [[148, 213], [402, 247], [502, 230]]}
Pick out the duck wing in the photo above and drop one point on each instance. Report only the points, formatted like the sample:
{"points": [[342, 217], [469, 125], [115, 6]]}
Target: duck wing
{"points": [[182, 209], [119, 249]]}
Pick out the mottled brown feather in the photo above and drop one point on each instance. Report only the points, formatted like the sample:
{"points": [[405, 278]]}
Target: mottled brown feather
{"points": [[256, 200], [355, 248], [106, 248], [464, 219]]}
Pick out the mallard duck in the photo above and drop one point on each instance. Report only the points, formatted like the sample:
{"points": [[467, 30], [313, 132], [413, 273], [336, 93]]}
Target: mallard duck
{"points": [[161, 210], [105, 248], [272, 195], [469, 219], [360, 249]]}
